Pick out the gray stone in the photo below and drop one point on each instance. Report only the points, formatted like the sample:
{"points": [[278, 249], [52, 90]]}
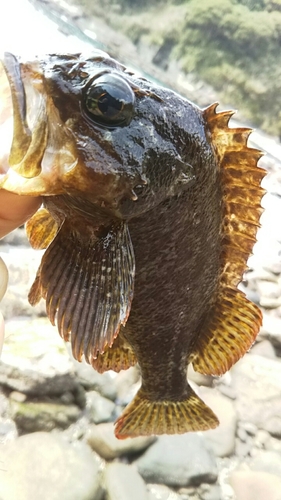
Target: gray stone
{"points": [[264, 348], [271, 329], [199, 378], [161, 492], [35, 360], [32, 417], [267, 461], [92, 380], [45, 466], [251, 485], [257, 383], [210, 492], [98, 408], [221, 439], [178, 460], [101, 438], [123, 482], [127, 384]]}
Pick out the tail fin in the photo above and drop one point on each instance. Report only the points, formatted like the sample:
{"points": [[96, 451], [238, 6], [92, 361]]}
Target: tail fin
{"points": [[144, 417]]}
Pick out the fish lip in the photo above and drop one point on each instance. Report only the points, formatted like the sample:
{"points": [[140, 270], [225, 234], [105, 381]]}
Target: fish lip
{"points": [[12, 68]]}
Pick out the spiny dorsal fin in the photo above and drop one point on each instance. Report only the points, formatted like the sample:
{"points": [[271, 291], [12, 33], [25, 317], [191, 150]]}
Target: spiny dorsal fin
{"points": [[233, 322], [41, 229], [242, 193]]}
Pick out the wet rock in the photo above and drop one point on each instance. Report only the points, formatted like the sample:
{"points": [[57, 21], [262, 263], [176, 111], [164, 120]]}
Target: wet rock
{"points": [[264, 348], [127, 384], [161, 492], [42, 465], [210, 492], [32, 417], [273, 444], [199, 378], [250, 485], [123, 482], [90, 379], [101, 438], [271, 329], [267, 461], [98, 408], [221, 439], [257, 382], [178, 460], [34, 359]]}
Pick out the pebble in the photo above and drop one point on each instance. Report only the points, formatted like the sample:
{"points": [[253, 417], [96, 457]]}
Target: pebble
{"points": [[102, 439], [161, 492], [123, 482], [252, 485], [257, 382], [90, 379], [42, 416], [271, 329], [34, 359], [43, 465], [178, 460], [267, 461], [98, 408], [264, 348], [221, 439]]}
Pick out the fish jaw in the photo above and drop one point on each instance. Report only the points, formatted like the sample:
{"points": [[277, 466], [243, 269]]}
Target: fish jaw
{"points": [[40, 153]]}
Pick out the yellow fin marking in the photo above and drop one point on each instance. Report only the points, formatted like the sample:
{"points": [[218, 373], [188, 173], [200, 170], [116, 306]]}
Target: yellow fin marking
{"points": [[120, 356], [41, 229], [230, 332], [144, 417]]}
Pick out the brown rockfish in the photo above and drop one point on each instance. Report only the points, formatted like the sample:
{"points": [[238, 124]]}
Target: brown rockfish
{"points": [[151, 207]]}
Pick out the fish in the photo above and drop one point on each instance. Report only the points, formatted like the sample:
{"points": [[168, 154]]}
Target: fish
{"points": [[150, 211]]}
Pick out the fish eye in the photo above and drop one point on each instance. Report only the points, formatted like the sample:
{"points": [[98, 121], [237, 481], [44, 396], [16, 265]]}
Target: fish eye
{"points": [[109, 100]]}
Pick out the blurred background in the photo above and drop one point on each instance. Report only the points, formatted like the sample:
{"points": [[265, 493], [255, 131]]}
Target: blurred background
{"points": [[56, 415]]}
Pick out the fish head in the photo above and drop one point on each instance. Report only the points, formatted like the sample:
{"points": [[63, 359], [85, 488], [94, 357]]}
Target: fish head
{"points": [[89, 128]]}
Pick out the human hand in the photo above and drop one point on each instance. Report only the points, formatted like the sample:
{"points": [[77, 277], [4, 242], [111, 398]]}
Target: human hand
{"points": [[14, 211]]}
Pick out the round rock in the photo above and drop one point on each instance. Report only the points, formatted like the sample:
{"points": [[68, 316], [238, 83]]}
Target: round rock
{"points": [[42, 465], [178, 460], [251, 485], [123, 482]]}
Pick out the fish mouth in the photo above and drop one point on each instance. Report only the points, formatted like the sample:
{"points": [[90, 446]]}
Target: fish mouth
{"points": [[39, 150]]}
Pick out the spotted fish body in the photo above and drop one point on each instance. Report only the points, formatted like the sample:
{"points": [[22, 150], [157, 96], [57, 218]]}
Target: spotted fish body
{"points": [[151, 207]]}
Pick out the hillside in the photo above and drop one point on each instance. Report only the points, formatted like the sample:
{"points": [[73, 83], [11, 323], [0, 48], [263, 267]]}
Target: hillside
{"points": [[233, 45]]}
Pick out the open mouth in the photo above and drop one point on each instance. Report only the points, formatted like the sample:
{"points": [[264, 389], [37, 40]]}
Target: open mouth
{"points": [[38, 151]]}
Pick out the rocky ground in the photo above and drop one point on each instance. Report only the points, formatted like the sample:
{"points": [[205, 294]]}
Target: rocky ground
{"points": [[56, 415]]}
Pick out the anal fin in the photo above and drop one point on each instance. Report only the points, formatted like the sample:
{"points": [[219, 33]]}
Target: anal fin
{"points": [[228, 333], [120, 356], [88, 286], [144, 417]]}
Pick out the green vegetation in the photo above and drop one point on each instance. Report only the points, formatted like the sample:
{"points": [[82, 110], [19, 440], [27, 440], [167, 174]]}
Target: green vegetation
{"points": [[234, 45]]}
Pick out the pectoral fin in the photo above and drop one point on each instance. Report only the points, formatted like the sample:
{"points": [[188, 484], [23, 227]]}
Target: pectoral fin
{"points": [[88, 287], [41, 229]]}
